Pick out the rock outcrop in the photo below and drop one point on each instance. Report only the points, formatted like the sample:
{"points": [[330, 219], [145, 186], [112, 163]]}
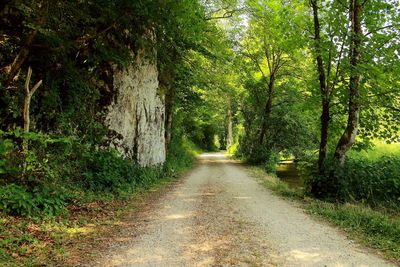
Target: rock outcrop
{"points": [[136, 114]]}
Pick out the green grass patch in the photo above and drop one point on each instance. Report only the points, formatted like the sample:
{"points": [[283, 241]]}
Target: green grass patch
{"points": [[272, 182], [379, 150]]}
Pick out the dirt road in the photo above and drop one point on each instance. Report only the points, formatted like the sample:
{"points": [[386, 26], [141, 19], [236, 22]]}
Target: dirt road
{"points": [[219, 216]]}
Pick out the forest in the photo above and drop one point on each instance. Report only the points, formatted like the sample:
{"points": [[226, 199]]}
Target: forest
{"points": [[266, 80]]}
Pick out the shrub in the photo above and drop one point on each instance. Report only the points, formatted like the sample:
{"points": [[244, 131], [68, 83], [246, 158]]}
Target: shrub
{"points": [[7, 165], [42, 180], [19, 200], [272, 159], [104, 170], [359, 179]]}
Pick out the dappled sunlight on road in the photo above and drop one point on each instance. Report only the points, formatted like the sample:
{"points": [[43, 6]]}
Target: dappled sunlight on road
{"points": [[241, 197], [219, 216], [178, 216], [312, 257], [217, 157], [301, 255]]}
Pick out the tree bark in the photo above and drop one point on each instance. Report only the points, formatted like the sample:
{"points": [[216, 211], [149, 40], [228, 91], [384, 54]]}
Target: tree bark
{"points": [[267, 109], [323, 145], [324, 89], [20, 58], [27, 102], [230, 129], [24, 52], [168, 126], [349, 135], [169, 113]]}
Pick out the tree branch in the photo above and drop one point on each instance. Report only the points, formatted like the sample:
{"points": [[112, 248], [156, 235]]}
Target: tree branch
{"points": [[228, 14], [382, 28]]}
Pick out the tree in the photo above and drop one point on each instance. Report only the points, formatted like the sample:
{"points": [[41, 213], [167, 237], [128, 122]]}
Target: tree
{"points": [[271, 51], [345, 59], [349, 135]]}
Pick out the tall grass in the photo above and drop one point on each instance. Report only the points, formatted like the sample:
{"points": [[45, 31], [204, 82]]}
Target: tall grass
{"points": [[379, 150]]}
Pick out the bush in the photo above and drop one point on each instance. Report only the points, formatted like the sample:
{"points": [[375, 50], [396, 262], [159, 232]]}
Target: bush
{"points": [[7, 165], [272, 159], [54, 171], [180, 156], [260, 155], [233, 149], [104, 170], [19, 200], [359, 179]]}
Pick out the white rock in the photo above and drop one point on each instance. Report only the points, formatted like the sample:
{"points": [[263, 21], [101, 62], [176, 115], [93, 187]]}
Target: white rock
{"points": [[137, 113]]}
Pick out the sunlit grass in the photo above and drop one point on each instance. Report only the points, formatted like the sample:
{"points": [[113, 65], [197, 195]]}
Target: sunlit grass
{"points": [[271, 181], [379, 150]]}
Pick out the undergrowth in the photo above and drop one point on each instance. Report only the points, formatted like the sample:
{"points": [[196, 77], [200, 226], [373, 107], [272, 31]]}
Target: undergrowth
{"points": [[52, 190], [371, 178]]}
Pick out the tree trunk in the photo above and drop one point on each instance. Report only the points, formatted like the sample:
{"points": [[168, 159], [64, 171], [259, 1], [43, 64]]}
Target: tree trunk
{"points": [[27, 102], [24, 52], [20, 58], [169, 113], [325, 92], [349, 135], [230, 130], [168, 126], [323, 145], [267, 109]]}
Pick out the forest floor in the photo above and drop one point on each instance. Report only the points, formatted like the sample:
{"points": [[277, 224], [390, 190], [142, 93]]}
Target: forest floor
{"points": [[219, 215]]}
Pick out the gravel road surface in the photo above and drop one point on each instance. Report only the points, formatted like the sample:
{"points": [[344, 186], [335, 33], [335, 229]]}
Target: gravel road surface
{"points": [[219, 215]]}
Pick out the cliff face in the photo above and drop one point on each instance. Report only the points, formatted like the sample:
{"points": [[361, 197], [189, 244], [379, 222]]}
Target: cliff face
{"points": [[136, 114]]}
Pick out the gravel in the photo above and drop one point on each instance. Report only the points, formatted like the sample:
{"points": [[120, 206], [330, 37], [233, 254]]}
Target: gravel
{"points": [[220, 216]]}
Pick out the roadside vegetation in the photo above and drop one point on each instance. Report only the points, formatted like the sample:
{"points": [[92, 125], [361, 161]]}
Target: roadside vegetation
{"points": [[90, 189]]}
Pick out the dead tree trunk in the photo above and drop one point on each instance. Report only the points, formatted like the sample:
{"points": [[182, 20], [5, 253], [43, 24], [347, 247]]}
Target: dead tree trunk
{"points": [[349, 135], [27, 102]]}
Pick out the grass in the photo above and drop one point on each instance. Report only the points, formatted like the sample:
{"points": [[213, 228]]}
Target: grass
{"points": [[377, 151], [272, 182], [375, 228]]}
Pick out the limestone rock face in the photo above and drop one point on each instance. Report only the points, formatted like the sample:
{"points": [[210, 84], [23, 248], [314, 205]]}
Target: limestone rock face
{"points": [[136, 114]]}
